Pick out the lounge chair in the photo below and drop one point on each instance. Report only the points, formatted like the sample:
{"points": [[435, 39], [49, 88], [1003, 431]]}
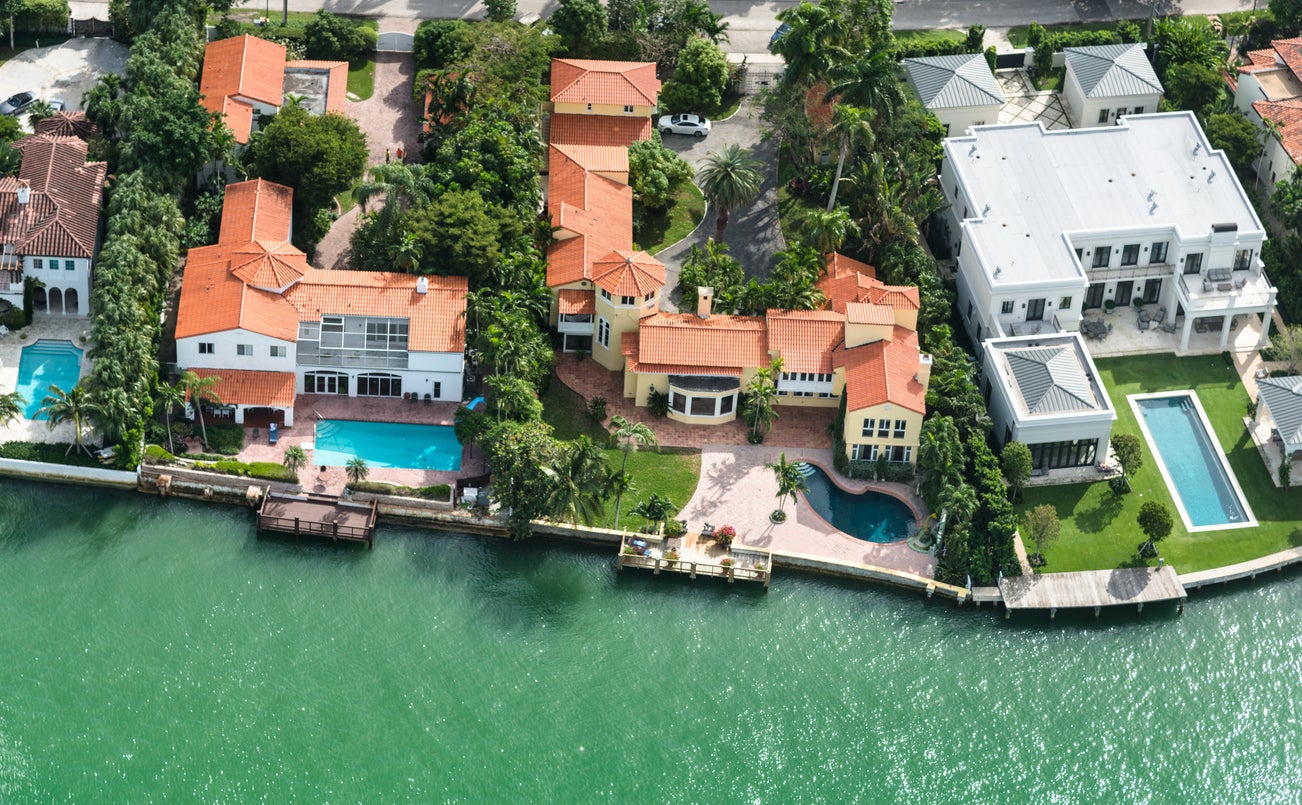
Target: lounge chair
{"points": [[707, 530]]}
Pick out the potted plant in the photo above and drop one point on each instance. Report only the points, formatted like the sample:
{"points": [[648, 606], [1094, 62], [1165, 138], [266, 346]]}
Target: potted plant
{"points": [[724, 535], [1137, 302], [761, 567], [671, 555], [727, 564], [1109, 305]]}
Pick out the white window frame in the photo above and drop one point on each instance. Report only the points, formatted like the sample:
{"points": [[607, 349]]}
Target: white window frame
{"points": [[603, 332]]}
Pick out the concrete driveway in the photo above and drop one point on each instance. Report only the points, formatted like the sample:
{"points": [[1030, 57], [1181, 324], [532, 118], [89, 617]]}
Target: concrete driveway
{"points": [[753, 232], [65, 71]]}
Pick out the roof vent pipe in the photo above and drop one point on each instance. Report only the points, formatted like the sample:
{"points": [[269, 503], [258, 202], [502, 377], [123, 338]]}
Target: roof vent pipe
{"points": [[24, 191], [422, 285]]}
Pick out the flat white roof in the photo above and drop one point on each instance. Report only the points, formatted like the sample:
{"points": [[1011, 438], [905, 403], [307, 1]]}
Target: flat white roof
{"points": [[1031, 186]]}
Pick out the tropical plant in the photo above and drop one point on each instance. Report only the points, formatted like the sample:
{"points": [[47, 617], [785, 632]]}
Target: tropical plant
{"points": [[1015, 461], [790, 480], [724, 535], [828, 231], [579, 483], [73, 405], [295, 458], [356, 469], [38, 111], [729, 178], [816, 39], [1130, 452], [200, 390], [940, 458], [630, 436], [1155, 521], [761, 395], [11, 407], [656, 508], [169, 397]]}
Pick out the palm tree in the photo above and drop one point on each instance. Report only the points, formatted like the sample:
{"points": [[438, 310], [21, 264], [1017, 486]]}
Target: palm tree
{"points": [[38, 111], [761, 393], [295, 458], [869, 82], [201, 389], [406, 252], [170, 396], [729, 179], [815, 40], [11, 407], [357, 469], [851, 125], [790, 480], [657, 509], [631, 436], [580, 484], [828, 231], [73, 406]]}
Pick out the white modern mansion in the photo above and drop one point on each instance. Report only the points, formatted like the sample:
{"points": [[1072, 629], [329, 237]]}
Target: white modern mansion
{"points": [[1049, 226]]}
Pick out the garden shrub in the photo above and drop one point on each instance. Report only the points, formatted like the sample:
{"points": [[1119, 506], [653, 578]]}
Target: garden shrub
{"points": [[48, 453], [157, 455], [224, 437], [266, 470]]}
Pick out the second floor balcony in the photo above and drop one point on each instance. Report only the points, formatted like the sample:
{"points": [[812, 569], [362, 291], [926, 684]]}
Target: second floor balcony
{"points": [[1223, 289]]}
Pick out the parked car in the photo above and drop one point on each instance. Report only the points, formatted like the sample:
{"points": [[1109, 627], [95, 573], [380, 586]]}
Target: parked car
{"points": [[778, 34], [57, 105], [17, 103], [694, 125]]}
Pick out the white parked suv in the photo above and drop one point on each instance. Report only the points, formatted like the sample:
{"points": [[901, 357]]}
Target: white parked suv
{"points": [[694, 125]]}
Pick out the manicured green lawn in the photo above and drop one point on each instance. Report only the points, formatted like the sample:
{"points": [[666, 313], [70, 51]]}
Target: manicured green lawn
{"points": [[728, 106], [361, 79], [658, 231], [672, 475], [1099, 529]]}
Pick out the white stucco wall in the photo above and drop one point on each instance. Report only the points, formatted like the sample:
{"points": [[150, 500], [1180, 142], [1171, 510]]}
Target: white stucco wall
{"points": [[224, 354], [56, 277], [1085, 111], [958, 119]]}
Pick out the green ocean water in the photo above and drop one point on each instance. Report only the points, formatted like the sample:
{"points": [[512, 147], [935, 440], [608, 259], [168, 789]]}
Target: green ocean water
{"points": [[160, 651]]}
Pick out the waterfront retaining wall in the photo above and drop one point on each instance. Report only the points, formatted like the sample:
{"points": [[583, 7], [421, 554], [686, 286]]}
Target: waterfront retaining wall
{"points": [[41, 471]]}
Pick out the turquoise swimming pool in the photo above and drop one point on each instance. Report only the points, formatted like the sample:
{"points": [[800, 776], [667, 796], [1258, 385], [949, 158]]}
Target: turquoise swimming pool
{"points": [[387, 444], [43, 364], [869, 516]]}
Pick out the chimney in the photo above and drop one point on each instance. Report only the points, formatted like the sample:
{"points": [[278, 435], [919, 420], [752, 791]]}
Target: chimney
{"points": [[924, 369], [704, 301], [422, 285], [24, 191]]}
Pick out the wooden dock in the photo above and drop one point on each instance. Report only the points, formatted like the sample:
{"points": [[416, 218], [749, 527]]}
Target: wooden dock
{"points": [[1091, 589], [318, 515], [747, 566]]}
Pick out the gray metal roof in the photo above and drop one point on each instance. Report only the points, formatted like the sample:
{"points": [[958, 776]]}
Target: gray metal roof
{"points": [[1283, 396], [1107, 71], [1051, 380], [944, 82]]}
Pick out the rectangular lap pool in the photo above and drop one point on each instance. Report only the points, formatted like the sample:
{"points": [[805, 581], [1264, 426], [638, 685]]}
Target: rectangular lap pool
{"points": [[387, 444], [1192, 462], [43, 364]]}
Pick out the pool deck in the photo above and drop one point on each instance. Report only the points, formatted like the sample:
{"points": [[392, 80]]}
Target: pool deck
{"points": [[54, 328], [735, 489]]}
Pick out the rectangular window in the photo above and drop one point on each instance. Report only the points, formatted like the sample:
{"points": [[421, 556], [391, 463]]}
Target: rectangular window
{"points": [[1157, 253], [1007, 307], [678, 402], [1103, 115], [628, 300], [1139, 110], [1078, 255], [883, 428], [438, 390], [245, 350], [1242, 259], [1064, 303], [1130, 254], [605, 294], [38, 263], [205, 347], [69, 265], [868, 426], [702, 406], [603, 332], [900, 427], [628, 108], [1193, 263], [279, 352], [1102, 256], [726, 405]]}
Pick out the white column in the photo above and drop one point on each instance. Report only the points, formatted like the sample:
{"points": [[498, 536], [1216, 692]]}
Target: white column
{"points": [[1265, 329], [1225, 329], [1184, 333]]}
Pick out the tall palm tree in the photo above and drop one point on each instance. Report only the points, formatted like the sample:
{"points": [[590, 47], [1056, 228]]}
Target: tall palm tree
{"points": [[406, 252], [815, 41], [851, 125], [729, 179], [827, 231], [790, 480], [200, 390], [579, 483], [869, 82], [631, 436], [170, 396], [356, 469], [74, 406], [295, 458], [761, 393], [11, 407]]}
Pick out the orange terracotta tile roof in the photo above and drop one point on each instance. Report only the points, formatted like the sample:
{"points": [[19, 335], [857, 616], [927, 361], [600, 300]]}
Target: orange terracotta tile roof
{"points": [[245, 387], [574, 302], [628, 344], [868, 313], [627, 273], [61, 217], [1260, 60], [884, 372], [610, 201], [217, 294], [336, 99], [604, 82], [713, 345], [243, 66], [805, 339], [837, 264], [237, 115], [845, 281], [1288, 116], [598, 130], [601, 158], [66, 124], [818, 111], [256, 210]]}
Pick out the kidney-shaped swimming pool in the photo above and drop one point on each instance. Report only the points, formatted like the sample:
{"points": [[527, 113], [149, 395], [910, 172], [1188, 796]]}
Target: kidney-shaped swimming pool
{"points": [[870, 516]]}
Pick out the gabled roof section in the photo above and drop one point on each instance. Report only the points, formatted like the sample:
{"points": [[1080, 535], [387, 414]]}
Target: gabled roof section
{"points": [[256, 210], [622, 272], [1051, 380], [600, 158], [575, 302], [336, 80], [243, 66], [245, 387], [1283, 396], [214, 300], [1288, 117], [714, 344], [616, 83], [593, 130], [845, 281], [947, 82], [805, 339], [1107, 71], [437, 317], [884, 372], [61, 218]]}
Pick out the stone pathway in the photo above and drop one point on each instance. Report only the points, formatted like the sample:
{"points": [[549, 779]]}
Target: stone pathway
{"points": [[736, 489], [1026, 104]]}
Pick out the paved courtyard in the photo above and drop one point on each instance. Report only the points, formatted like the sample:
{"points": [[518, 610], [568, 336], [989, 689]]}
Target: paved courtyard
{"points": [[1025, 104], [736, 489], [64, 72]]}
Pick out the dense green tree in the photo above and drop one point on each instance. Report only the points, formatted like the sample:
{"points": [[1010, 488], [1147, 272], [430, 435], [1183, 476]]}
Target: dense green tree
{"points": [[440, 43], [581, 25], [517, 452], [1015, 461], [940, 458], [169, 135], [1240, 140], [713, 267], [336, 38], [1042, 527], [1286, 201], [1182, 40], [458, 235], [1129, 451], [1287, 14], [729, 178], [493, 157], [699, 80], [1155, 521], [1193, 86], [791, 285], [513, 397], [655, 173], [500, 10]]}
